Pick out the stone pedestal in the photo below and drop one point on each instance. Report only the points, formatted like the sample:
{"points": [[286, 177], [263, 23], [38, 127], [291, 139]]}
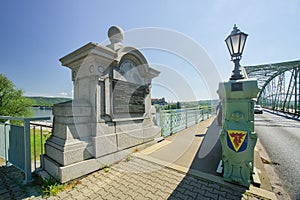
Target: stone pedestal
{"points": [[237, 135], [111, 113]]}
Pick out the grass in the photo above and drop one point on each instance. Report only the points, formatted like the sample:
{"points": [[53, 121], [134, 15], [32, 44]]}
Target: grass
{"points": [[38, 143], [128, 158], [51, 186], [104, 167]]}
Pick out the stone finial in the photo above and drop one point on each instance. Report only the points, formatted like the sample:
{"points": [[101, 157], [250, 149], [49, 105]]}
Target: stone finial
{"points": [[115, 35]]}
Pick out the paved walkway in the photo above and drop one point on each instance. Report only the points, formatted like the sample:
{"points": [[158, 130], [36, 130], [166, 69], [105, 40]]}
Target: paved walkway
{"points": [[168, 170], [140, 179], [11, 184]]}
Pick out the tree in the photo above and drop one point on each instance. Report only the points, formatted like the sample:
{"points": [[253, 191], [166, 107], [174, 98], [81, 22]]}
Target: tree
{"points": [[12, 102], [178, 105]]}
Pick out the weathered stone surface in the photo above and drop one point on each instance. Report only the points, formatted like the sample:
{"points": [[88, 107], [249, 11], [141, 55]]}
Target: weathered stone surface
{"points": [[111, 111], [104, 145], [130, 139]]}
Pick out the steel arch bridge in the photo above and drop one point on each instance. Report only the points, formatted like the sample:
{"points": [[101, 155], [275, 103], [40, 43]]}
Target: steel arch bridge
{"points": [[279, 85]]}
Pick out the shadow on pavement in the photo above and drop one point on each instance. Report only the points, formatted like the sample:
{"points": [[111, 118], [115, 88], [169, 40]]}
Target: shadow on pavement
{"points": [[206, 162], [210, 152]]}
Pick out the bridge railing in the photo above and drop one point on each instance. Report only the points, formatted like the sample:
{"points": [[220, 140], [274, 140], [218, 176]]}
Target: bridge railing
{"points": [[280, 107], [172, 121], [18, 144]]}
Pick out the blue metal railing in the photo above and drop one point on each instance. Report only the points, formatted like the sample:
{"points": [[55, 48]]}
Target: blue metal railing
{"points": [[15, 145], [172, 121]]}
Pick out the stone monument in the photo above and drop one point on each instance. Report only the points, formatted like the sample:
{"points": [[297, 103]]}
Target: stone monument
{"points": [[110, 115]]}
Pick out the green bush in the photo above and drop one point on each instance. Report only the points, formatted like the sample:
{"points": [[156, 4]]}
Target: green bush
{"points": [[51, 186]]}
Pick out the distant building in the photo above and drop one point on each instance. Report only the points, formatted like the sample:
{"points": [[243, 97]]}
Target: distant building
{"points": [[157, 101]]}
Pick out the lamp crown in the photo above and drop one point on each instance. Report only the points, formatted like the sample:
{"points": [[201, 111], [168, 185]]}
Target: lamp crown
{"points": [[235, 30]]}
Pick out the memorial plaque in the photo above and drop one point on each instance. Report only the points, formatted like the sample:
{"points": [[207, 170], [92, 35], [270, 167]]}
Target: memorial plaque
{"points": [[236, 87], [128, 97]]}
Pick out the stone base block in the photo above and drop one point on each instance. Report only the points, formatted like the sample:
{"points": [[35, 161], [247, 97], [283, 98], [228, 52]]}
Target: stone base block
{"points": [[130, 139], [66, 154], [151, 133], [70, 172], [76, 170], [105, 144]]}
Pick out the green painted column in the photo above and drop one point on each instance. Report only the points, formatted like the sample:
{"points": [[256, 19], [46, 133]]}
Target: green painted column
{"points": [[237, 136]]}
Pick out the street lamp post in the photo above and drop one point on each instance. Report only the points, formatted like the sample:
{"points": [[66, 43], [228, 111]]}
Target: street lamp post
{"points": [[235, 43], [237, 134]]}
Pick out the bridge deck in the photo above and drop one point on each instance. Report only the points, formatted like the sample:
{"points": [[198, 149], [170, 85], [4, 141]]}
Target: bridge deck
{"points": [[181, 165]]}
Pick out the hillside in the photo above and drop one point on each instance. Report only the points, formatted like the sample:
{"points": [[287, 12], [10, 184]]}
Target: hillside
{"points": [[47, 101]]}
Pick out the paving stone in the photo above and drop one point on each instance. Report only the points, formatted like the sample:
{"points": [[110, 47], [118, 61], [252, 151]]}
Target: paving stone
{"points": [[214, 186], [227, 190], [181, 190], [6, 196], [110, 196], [237, 193], [180, 195], [163, 188], [52, 197], [135, 179], [222, 198], [150, 195], [191, 194], [74, 193], [80, 197], [64, 195], [206, 188], [211, 195], [3, 191], [200, 197], [199, 191], [122, 195], [173, 198], [102, 193], [80, 186], [93, 196], [98, 184], [20, 196], [193, 183], [132, 193], [170, 185], [220, 193], [161, 194], [230, 196], [86, 191], [186, 181]]}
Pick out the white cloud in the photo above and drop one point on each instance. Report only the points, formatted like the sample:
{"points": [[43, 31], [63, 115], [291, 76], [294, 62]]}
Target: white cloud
{"points": [[64, 94]]}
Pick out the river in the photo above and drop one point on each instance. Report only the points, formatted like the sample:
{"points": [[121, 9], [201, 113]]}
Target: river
{"points": [[37, 112]]}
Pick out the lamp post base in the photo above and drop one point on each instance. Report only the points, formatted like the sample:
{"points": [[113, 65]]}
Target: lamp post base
{"points": [[236, 73]]}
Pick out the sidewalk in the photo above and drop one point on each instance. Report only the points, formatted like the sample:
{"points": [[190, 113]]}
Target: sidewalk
{"points": [[197, 151], [180, 167]]}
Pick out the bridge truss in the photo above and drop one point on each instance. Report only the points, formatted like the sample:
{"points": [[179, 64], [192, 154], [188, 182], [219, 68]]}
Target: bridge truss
{"points": [[279, 85]]}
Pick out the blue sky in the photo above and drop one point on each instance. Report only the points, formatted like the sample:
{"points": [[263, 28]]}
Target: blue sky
{"points": [[36, 33]]}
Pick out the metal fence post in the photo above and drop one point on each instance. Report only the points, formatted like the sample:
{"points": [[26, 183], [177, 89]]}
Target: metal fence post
{"points": [[27, 153], [5, 145], [162, 122], [171, 122], [34, 148], [186, 119], [42, 150], [201, 115], [208, 113]]}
